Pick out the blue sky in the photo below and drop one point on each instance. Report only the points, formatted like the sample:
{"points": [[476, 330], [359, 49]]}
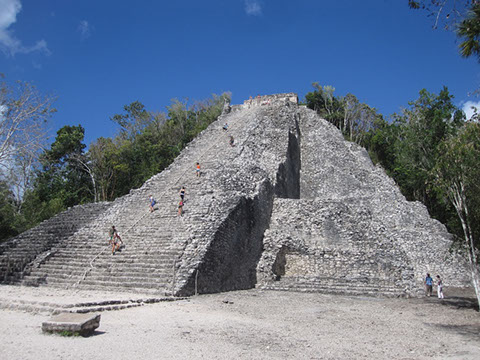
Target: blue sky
{"points": [[97, 56]]}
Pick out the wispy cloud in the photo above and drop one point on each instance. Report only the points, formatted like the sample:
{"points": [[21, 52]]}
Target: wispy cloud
{"points": [[85, 29], [253, 7], [469, 108], [9, 44]]}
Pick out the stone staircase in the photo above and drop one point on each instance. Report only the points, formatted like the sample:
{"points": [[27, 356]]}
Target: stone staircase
{"points": [[35, 246], [153, 241], [164, 253]]}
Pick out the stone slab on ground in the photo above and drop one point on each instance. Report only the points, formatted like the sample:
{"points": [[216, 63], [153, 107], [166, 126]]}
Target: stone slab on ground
{"points": [[83, 324]]}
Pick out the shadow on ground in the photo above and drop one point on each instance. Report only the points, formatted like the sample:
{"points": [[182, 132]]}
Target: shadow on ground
{"points": [[470, 331], [455, 298], [460, 302]]}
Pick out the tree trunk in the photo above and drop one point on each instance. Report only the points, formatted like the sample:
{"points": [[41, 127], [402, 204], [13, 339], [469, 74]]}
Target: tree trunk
{"points": [[459, 202]]}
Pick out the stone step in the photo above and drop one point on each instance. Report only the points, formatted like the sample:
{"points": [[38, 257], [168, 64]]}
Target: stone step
{"points": [[135, 295], [367, 288], [335, 286], [344, 281], [119, 276], [143, 248], [107, 258], [130, 267], [341, 291], [106, 283], [120, 256], [53, 310], [126, 252], [159, 290], [349, 290], [127, 267]]}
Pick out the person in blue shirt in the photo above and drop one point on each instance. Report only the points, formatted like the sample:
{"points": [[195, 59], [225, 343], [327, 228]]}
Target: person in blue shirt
{"points": [[428, 285], [152, 203]]}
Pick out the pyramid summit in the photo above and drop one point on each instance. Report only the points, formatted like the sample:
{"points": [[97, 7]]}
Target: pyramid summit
{"points": [[283, 203]]}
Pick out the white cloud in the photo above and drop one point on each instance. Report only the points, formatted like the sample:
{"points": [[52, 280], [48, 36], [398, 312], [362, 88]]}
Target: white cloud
{"points": [[468, 106], [253, 7], [85, 29], [9, 44]]}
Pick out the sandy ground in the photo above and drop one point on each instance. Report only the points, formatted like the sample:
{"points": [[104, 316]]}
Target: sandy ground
{"points": [[260, 325]]}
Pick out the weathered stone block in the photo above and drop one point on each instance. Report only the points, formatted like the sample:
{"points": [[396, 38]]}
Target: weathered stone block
{"points": [[72, 323]]}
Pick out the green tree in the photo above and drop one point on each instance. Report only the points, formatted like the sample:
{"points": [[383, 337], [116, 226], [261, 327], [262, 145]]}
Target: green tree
{"points": [[102, 154], [133, 121], [66, 155], [147, 143], [457, 172], [380, 142], [427, 122], [62, 181], [7, 212], [353, 118], [462, 16], [326, 104], [469, 32]]}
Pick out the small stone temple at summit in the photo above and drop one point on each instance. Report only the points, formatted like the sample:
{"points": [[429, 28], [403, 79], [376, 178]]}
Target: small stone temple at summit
{"points": [[290, 206]]}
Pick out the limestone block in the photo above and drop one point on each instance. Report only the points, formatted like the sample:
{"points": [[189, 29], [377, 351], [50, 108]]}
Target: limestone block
{"points": [[83, 324]]}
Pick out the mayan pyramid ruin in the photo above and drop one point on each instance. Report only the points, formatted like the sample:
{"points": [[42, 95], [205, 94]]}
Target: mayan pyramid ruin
{"points": [[291, 206]]}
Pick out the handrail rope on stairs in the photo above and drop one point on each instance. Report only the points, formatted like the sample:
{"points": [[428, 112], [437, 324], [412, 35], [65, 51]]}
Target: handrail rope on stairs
{"points": [[183, 224], [223, 165]]}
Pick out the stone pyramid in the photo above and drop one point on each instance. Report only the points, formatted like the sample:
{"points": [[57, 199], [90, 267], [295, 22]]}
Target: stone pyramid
{"points": [[291, 206]]}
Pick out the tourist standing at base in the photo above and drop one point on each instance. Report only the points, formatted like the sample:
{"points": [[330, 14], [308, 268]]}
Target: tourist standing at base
{"points": [[197, 170], [439, 287], [428, 285]]}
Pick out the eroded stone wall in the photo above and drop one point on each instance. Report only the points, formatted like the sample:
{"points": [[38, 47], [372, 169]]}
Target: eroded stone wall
{"points": [[231, 258], [352, 226]]}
